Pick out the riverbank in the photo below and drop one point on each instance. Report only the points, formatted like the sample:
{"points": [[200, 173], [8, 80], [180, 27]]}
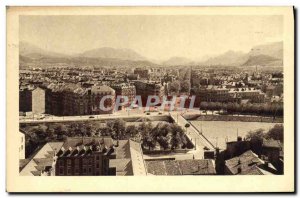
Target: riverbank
{"points": [[240, 118]]}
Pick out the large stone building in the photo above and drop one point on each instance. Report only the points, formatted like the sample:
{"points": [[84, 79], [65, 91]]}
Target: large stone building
{"points": [[25, 99], [86, 156], [251, 94], [142, 73], [222, 94], [248, 163], [126, 90], [38, 101], [149, 88], [32, 99], [96, 94], [73, 99]]}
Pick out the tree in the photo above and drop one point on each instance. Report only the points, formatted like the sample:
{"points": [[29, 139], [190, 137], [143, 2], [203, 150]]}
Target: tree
{"points": [[204, 105], [146, 136], [255, 135], [276, 132], [185, 86], [174, 87], [187, 125], [218, 106], [256, 140], [230, 108], [175, 141], [131, 130], [163, 142], [117, 128]]}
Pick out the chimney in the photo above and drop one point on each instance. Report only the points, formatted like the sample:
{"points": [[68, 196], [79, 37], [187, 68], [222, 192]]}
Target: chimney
{"points": [[239, 161], [266, 164], [239, 139], [239, 170]]}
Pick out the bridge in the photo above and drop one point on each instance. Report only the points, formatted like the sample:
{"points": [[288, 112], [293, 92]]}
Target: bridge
{"points": [[198, 139]]}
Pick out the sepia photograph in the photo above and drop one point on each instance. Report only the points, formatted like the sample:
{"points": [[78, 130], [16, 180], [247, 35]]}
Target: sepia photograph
{"points": [[175, 93]]}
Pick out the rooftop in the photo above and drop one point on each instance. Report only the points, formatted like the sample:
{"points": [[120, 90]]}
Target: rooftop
{"points": [[181, 167], [248, 163]]}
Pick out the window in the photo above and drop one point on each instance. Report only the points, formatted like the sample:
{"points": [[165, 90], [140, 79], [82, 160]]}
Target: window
{"points": [[61, 162], [61, 171], [84, 161], [97, 166], [69, 171], [98, 157], [69, 162], [84, 170], [90, 170], [76, 161]]}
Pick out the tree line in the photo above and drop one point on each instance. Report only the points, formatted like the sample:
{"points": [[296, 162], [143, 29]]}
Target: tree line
{"points": [[260, 109], [165, 135]]}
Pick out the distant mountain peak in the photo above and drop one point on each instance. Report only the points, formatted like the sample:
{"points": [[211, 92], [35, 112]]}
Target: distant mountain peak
{"points": [[113, 53], [177, 60]]}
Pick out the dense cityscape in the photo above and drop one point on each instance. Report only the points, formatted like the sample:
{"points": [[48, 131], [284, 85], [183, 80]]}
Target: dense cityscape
{"points": [[63, 131]]}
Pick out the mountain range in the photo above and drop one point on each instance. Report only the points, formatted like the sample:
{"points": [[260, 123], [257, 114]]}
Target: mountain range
{"points": [[264, 55]]}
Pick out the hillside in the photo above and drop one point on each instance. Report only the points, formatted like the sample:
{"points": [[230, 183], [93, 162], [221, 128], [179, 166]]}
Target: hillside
{"points": [[229, 58], [175, 61], [112, 53]]}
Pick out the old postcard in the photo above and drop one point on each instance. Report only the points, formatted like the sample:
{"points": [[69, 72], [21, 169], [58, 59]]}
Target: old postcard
{"points": [[150, 99]]}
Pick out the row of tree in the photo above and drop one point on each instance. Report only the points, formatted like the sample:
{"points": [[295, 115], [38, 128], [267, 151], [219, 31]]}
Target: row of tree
{"points": [[177, 87], [166, 135], [275, 133], [268, 109], [256, 137]]}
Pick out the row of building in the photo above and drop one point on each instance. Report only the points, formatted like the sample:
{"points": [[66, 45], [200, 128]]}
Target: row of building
{"points": [[96, 156], [68, 99], [223, 94]]}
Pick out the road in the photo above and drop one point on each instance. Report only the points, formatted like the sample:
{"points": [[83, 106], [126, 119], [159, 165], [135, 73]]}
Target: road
{"points": [[194, 135]]}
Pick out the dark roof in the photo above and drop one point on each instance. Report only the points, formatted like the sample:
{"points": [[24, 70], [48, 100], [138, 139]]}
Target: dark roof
{"points": [[198, 167], [181, 167], [101, 89], [78, 146], [271, 143], [122, 163], [23, 163], [248, 163]]}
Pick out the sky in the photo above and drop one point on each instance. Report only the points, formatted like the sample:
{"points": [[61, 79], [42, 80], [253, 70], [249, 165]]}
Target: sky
{"points": [[155, 37]]}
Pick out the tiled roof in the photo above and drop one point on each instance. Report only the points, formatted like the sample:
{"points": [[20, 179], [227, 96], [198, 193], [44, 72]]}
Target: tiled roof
{"points": [[101, 89], [129, 159], [23, 163], [122, 163], [77, 146], [41, 160], [248, 163], [123, 166], [138, 163], [156, 167], [198, 167], [181, 167]]}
